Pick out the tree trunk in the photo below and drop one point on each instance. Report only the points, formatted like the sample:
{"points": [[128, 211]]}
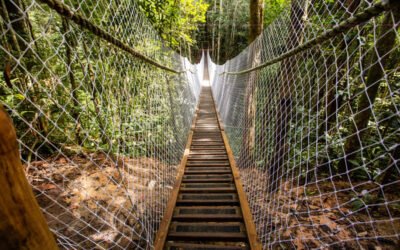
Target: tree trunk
{"points": [[14, 14], [94, 95], [288, 71], [333, 101], [256, 19], [219, 32], [381, 53], [23, 225], [70, 43], [254, 59]]}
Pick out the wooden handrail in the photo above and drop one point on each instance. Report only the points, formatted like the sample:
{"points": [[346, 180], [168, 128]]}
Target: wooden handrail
{"points": [[22, 224]]}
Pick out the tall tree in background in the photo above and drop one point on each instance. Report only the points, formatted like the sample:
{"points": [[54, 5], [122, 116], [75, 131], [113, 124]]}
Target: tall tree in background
{"points": [[287, 74], [256, 19], [70, 43], [256, 28], [20, 40], [333, 99]]}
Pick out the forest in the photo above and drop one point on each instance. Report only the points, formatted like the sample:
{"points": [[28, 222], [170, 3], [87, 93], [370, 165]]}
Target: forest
{"points": [[101, 129]]}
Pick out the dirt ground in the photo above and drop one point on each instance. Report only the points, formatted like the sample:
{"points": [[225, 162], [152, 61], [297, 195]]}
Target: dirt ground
{"points": [[90, 203], [323, 215]]}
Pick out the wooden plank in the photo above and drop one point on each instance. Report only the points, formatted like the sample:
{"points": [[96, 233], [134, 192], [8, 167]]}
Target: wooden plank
{"points": [[210, 236], [207, 213], [22, 224], [211, 164], [207, 202], [162, 233], [225, 231], [208, 190], [208, 217], [202, 152], [203, 246], [247, 216], [209, 171], [209, 156], [203, 180]]}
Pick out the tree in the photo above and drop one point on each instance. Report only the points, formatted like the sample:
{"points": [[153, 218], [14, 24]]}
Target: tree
{"points": [[18, 39], [333, 100], [69, 45], [385, 43], [256, 19], [256, 27], [287, 76]]}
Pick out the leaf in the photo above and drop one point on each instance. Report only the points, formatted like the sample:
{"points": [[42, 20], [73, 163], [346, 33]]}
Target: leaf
{"points": [[355, 163], [19, 97], [357, 204]]}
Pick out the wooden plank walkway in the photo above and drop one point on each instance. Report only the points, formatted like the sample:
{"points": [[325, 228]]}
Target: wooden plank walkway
{"points": [[208, 208]]}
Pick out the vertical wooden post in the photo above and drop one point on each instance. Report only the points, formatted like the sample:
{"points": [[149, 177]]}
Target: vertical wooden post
{"points": [[22, 224]]}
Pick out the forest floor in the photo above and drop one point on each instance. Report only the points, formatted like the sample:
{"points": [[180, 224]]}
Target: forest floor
{"points": [[323, 216], [95, 205]]}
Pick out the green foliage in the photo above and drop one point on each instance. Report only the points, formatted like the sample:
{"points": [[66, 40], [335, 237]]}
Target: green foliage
{"points": [[86, 93], [175, 20], [273, 8]]}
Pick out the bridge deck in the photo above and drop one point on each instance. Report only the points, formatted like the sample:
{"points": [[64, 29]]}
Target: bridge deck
{"points": [[207, 210]]}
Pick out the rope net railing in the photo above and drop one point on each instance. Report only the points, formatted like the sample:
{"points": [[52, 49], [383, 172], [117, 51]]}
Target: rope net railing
{"points": [[311, 109], [102, 110]]}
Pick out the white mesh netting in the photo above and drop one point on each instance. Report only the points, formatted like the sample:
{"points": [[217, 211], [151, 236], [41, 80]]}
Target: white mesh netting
{"points": [[101, 133], [316, 132]]}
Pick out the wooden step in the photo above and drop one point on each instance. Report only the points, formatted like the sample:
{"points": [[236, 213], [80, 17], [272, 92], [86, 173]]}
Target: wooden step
{"points": [[194, 199], [197, 246], [208, 142], [216, 159], [207, 178], [207, 139], [207, 213], [207, 147], [207, 168], [218, 187], [208, 171], [212, 163], [208, 133], [207, 231], [208, 157], [207, 152], [208, 185]]}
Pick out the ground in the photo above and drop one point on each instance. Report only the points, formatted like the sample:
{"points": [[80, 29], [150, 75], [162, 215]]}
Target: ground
{"points": [[89, 202], [322, 215]]}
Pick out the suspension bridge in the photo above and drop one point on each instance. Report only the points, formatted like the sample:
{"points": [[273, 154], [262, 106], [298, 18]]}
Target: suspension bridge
{"points": [[111, 140]]}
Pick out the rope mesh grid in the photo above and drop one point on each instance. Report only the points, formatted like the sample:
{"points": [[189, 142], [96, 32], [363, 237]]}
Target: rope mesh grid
{"points": [[101, 132], [316, 135]]}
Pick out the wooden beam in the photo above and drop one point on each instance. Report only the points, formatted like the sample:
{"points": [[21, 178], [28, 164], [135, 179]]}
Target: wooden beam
{"points": [[247, 216], [22, 224], [162, 232]]}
